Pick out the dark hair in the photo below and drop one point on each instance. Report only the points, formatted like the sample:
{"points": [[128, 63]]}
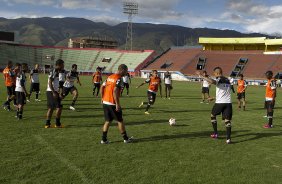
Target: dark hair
{"points": [[155, 71], [59, 62], [217, 68], [24, 64], [241, 75], [74, 66], [205, 71], [269, 73], [9, 62], [17, 64], [122, 67]]}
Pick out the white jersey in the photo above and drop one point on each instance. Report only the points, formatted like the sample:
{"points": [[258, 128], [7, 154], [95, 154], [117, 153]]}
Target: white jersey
{"points": [[54, 76], [167, 79], [223, 90], [231, 80], [20, 82], [34, 76], [125, 79], [205, 84], [62, 76], [71, 77]]}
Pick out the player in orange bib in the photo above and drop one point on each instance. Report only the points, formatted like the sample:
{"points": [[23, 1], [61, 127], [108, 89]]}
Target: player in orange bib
{"points": [[97, 79], [154, 85], [10, 82], [270, 95], [241, 92], [110, 93]]}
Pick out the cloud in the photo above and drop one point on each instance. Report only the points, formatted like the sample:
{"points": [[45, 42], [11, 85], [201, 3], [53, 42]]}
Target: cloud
{"points": [[33, 2], [110, 20]]}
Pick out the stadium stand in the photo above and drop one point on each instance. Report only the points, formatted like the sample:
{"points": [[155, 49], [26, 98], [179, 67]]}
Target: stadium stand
{"points": [[86, 59]]}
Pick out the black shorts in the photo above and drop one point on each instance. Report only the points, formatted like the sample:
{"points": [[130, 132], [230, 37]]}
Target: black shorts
{"points": [[34, 87], [97, 85], [111, 114], [168, 86], [66, 91], [52, 102], [241, 95], [225, 109], [20, 98], [126, 85], [11, 90], [61, 84], [205, 90], [151, 97], [269, 105]]}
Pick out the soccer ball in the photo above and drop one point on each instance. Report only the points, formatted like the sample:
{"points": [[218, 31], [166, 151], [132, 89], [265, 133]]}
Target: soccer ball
{"points": [[172, 122]]}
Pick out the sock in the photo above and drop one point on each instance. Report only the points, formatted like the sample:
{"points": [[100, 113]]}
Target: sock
{"points": [[73, 103], [148, 107], [244, 107], [17, 113], [124, 135], [214, 124], [104, 136], [58, 121], [36, 96], [48, 122], [20, 116], [270, 118], [228, 129]]}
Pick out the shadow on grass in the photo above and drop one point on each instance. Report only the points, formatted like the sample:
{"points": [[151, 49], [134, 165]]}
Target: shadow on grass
{"points": [[256, 136]]}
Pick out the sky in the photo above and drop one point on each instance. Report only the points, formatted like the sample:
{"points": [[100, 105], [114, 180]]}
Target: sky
{"points": [[263, 16]]}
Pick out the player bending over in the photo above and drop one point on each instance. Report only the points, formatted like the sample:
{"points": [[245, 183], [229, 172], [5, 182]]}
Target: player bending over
{"points": [[54, 97], [241, 92], [69, 85], [110, 93], [154, 84], [270, 95], [21, 92], [223, 103]]}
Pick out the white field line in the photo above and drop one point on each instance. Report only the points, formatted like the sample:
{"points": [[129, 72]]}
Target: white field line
{"points": [[62, 159]]}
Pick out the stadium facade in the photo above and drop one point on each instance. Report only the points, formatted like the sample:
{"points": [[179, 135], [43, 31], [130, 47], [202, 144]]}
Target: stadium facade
{"points": [[249, 56]]}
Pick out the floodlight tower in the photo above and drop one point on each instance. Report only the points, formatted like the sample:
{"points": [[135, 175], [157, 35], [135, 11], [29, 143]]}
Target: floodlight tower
{"points": [[130, 8]]}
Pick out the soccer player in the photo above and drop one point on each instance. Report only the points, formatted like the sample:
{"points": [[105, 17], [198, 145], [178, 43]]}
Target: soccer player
{"points": [[9, 78], [223, 103], [205, 89], [21, 92], [97, 79], [54, 97], [110, 93], [168, 84], [241, 90], [126, 79], [270, 95], [69, 87], [34, 83], [154, 85]]}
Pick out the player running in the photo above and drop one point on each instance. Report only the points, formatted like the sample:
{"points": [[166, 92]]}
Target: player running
{"points": [[154, 85], [110, 93], [21, 92], [223, 103], [97, 79], [34, 83], [205, 89], [270, 95], [168, 84], [54, 97], [241, 92], [126, 79], [69, 87], [10, 83]]}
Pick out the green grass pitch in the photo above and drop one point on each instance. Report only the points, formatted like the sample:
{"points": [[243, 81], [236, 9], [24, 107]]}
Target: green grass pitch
{"points": [[161, 154]]}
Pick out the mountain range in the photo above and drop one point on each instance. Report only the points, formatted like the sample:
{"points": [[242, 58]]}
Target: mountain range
{"points": [[56, 31]]}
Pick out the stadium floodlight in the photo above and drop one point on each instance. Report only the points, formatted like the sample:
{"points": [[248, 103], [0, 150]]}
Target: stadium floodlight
{"points": [[130, 8]]}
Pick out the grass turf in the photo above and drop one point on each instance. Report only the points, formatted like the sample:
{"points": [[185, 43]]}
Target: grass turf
{"points": [[161, 154]]}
